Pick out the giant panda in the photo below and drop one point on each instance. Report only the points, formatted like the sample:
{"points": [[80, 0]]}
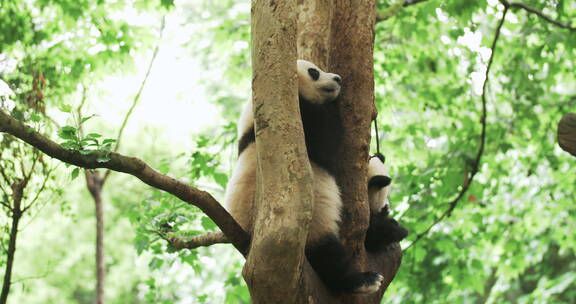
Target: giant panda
{"points": [[323, 133], [382, 230]]}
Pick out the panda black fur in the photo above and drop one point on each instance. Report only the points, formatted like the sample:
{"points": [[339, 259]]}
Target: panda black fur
{"points": [[323, 136], [382, 230]]}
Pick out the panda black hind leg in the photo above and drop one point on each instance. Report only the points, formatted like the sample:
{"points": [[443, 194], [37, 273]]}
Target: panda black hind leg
{"points": [[332, 263], [326, 254]]}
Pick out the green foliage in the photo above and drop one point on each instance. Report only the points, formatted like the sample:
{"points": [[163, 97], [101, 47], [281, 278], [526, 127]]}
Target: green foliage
{"points": [[162, 215], [508, 235], [509, 240], [205, 161], [88, 144]]}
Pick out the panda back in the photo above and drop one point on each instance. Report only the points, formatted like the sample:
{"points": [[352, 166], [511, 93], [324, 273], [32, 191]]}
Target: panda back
{"points": [[323, 133]]}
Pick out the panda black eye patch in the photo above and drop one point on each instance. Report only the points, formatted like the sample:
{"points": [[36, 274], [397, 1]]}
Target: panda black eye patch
{"points": [[314, 74]]}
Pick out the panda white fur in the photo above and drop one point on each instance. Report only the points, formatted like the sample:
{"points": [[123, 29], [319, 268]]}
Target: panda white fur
{"points": [[382, 230], [323, 135]]}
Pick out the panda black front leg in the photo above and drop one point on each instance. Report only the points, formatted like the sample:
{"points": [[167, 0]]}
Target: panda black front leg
{"points": [[333, 264], [383, 231]]}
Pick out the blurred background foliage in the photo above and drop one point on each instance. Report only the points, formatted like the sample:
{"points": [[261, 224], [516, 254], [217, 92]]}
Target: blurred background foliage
{"points": [[509, 240]]}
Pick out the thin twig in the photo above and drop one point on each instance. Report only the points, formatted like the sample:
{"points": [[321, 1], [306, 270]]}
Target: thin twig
{"points": [[3, 174], [79, 109], [34, 162], [476, 164], [138, 94], [207, 239], [391, 11], [36, 277], [412, 2], [47, 176], [538, 13]]}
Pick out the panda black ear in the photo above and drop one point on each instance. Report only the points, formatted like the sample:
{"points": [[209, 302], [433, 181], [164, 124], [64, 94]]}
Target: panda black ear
{"points": [[379, 181], [314, 74], [380, 156]]}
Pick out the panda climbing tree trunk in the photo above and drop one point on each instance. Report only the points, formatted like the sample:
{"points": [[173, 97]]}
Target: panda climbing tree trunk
{"points": [[339, 37]]}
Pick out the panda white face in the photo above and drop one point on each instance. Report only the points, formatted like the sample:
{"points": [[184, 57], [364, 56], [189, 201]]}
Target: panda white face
{"points": [[316, 85]]}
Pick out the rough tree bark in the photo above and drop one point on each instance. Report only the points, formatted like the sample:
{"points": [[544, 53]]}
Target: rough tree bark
{"points": [[314, 22]]}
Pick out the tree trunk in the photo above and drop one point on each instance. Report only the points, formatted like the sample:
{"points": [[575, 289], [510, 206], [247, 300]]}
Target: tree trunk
{"points": [[10, 257], [567, 133], [273, 269], [351, 56], [95, 183], [17, 194], [314, 22]]}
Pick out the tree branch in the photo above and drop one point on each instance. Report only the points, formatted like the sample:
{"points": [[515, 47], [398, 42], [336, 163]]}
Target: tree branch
{"points": [[538, 13], [394, 9], [476, 164], [196, 241], [137, 168], [412, 2]]}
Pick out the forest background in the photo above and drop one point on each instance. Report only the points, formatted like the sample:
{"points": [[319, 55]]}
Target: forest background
{"points": [[167, 80]]}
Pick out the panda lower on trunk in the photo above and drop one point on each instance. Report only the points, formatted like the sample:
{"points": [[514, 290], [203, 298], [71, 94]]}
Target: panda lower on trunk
{"points": [[382, 230], [323, 133]]}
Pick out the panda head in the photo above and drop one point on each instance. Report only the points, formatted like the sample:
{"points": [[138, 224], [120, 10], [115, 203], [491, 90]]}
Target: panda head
{"points": [[378, 184], [315, 85]]}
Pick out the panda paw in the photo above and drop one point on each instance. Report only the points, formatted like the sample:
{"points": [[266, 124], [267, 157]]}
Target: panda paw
{"points": [[383, 231], [366, 282]]}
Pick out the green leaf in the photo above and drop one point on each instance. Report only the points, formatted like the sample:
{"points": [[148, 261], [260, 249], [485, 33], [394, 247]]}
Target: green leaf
{"points": [[86, 118], [155, 263], [65, 108], [67, 132], [75, 173], [221, 179], [35, 117], [207, 223], [167, 3], [93, 135]]}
